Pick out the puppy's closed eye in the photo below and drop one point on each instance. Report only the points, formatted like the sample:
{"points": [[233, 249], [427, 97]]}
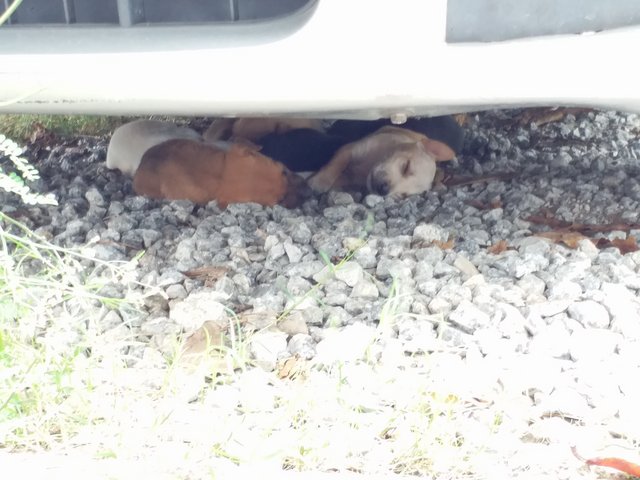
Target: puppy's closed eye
{"points": [[406, 168]]}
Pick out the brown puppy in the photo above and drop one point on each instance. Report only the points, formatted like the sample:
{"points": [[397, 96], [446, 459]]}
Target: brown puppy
{"points": [[391, 161], [182, 169], [254, 128]]}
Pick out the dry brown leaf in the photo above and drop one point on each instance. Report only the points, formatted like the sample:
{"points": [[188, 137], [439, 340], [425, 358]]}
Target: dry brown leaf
{"points": [[498, 247], [570, 239], [616, 463], [448, 245], [207, 337], [209, 274], [544, 115], [292, 368], [625, 245]]}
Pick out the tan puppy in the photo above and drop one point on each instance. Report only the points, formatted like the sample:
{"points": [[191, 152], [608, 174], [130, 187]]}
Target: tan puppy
{"points": [[182, 169], [254, 128], [391, 161], [130, 141]]}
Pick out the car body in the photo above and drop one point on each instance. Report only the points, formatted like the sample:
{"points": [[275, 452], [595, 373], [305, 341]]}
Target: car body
{"points": [[321, 58]]}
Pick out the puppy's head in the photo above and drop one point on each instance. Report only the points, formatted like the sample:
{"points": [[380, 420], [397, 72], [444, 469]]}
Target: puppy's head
{"points": [[409, 168]]}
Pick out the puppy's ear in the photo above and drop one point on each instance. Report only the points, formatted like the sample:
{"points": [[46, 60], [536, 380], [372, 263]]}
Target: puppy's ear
{"points": [[220, 129], [440, 151]]}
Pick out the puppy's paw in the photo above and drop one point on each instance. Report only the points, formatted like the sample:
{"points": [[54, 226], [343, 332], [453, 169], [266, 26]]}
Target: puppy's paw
{"points": [[318, 184]]}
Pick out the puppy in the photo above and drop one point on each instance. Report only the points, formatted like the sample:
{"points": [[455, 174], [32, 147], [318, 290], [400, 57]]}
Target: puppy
{"points": [[129, 142], [184, 169], [253, 129], [302, 149], [444, 129], [391, 161]]}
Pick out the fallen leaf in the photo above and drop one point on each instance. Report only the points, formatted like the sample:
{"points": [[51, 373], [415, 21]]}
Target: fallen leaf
{"points": [[292, 368], [498, 247], [544, 115], [202, 340], [209, 274], [625, 245], [448, 245], [616, 463], [570, 239]]}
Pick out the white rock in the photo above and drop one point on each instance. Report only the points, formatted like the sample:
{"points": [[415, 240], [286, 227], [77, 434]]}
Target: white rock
{"points": [[198, 308], [550, 308], [417, 336], [565, 290], [463, 264], [293, 324], [266, 346], [347, 345], [294, 253], [589, 314], [365, 289], [553, 340], [469, 317], [350, 273], [429, 233], [593, 344], [565, 401]]}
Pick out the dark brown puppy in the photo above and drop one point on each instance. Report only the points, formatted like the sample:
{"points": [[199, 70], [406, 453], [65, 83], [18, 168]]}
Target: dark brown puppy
{"points": [[183, 169]]}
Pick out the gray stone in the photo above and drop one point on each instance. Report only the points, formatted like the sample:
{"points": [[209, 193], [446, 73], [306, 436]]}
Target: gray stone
{"points": [[468, 317], [176, 291], [365, 289], [301, 233], [94, 197], [552, 341], [417, 336], [430, 255], [304, 269], [429, 233], [550, 308], [350, 273], [593, 344], [312, 315], [564, 290], [185, 250], [454, 336], [467, 268], [335, 298], [198, 308], [533, 245], [149, 237], [565, 401], [348, 345], [339, 198], [226, 286], [392, 268], [366, 256], [440, 305], [336, 316], [266, 346], [294, 253], [110, 320], [372, 200], [302, 345], [293, 324], [160, 326], [590, 314]]}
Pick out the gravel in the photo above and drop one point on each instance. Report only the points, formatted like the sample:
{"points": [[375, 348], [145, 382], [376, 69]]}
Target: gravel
{"points": [[558, 328]]}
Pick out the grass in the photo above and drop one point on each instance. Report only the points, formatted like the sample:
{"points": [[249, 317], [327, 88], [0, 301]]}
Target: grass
{"points": [[21, 127]]}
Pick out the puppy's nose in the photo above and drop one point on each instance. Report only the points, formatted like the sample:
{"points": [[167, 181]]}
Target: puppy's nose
{"points": [[381, 187]]}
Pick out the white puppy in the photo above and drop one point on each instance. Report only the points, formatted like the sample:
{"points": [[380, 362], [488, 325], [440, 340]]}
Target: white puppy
{"points": [[130, 141]]}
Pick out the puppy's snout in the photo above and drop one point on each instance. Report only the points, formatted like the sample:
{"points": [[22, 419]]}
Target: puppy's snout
{"points": [[380, 186]]}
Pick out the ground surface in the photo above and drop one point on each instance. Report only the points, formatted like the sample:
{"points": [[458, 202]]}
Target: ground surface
{"points": [[437, 336]]}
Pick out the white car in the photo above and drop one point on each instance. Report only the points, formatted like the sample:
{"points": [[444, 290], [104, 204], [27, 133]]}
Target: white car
{"points": [[321, 58]]}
